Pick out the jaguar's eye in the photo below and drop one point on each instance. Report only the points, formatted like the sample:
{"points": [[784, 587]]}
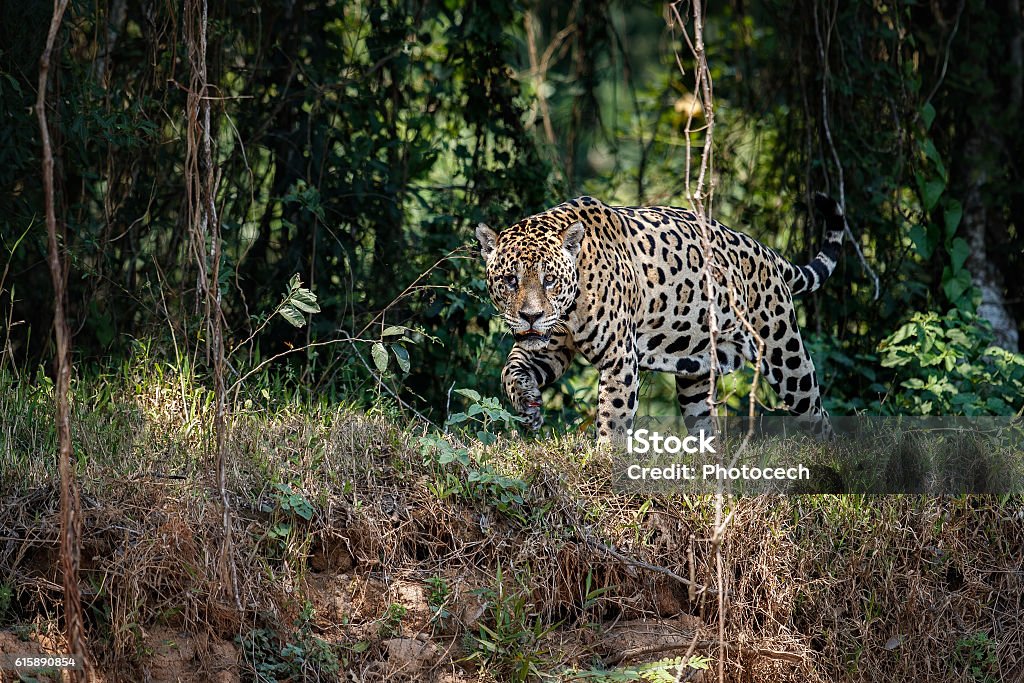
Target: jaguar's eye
{"points": [[510, 281], [549, 280]]}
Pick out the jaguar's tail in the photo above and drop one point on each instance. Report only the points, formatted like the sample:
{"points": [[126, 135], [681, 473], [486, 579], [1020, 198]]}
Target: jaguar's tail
{"points": [[802, 279]]}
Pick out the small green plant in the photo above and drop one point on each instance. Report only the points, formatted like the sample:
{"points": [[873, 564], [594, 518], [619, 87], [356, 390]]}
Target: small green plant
{"points": [[592, 595], [289, 510], [437, 599], [509, 641], [6, 601], [977, 652], [948, 365], [391, 622], [667, 670], [292, 502], [483, 481], [302, 656], [485, 413]]}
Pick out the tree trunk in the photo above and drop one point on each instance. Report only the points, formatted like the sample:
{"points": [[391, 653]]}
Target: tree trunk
{"points": [[980, 148]]}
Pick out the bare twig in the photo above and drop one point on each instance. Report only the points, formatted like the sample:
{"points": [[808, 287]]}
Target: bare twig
{"points": [[699, 588], [382, 383], [201, 182], [945, 57], [538, 75], [823, 54], [70, 503], [700, 203]]}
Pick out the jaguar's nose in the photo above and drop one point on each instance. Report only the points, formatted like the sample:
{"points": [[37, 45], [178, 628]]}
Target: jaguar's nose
{"points": [[531, 317]]}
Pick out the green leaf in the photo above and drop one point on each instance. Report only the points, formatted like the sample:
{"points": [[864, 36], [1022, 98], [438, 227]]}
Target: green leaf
{"points": [[380, 356], [928, 147], [486, 438], [951, 216], [927, 115], [456, 418], [905, 332], [955, 286], [292, 315], [402, 356], [469, 393], [924, 246], [931, 191], [958, 253], [998, 406], [304, 300], [394, 331]]}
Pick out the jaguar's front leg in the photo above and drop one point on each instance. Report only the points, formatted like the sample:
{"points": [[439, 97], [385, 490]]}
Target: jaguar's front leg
{"points": [[527, 371], [617, 397]]}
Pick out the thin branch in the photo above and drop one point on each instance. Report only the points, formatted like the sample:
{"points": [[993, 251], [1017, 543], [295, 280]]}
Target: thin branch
{"points": [[699, 588], [538, 75], [835, 154], [70, 503], [945, 57], [700, 203], [201, 181]]}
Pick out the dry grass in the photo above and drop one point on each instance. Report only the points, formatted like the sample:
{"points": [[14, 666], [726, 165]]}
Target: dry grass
{"points": [[819, 588]]}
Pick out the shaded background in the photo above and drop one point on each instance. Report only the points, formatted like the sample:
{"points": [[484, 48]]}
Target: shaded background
{"points": [[359, 143]]}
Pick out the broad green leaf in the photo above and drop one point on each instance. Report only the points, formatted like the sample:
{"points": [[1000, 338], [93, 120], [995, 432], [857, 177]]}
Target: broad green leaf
{"points": [[958, 253], [955, 286], [380, 356], [927, 115], [998, 406], [958, 337], [393, 331], [919, 236], [304, 300], [905, 332], [292, 315], [402, 356], [928, 147], [931, 191], [470, 394], [951, 217]]}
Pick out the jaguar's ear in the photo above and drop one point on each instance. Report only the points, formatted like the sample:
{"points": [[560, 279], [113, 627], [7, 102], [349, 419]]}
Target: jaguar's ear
{"points": [[572, 238], [487, 238]]}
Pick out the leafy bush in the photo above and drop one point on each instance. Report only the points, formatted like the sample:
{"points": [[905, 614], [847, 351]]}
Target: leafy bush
{"points": [[948, 365], [483, 481], [302, 655]]}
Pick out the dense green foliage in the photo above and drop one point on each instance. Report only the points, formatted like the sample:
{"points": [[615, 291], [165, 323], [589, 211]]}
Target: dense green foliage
{"points": [[359, 142]]}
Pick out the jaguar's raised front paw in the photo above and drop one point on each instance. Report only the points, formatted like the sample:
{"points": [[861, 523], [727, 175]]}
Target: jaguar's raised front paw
{"points": [[533, 418], [527, 403]]}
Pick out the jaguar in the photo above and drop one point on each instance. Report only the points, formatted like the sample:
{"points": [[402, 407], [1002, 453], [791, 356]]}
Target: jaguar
{"points": [[630, 288]]}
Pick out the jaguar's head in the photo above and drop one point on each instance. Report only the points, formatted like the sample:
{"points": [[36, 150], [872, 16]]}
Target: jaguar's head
{"points": [[532, 275]]}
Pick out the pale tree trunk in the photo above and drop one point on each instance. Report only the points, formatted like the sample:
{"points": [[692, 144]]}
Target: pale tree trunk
{"points": [[982, 151], [979, 150]]}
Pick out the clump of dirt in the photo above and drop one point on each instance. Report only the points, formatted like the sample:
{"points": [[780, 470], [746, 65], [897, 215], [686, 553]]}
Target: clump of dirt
{"points": [[166, 656]]}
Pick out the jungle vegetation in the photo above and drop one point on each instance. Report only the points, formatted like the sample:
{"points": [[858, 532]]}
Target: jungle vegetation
{"points": [[356, 144]]}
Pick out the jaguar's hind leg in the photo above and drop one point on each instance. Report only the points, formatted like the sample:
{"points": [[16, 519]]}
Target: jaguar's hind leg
{"points": [[790, 371], [692, 394], [692, 388]]}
